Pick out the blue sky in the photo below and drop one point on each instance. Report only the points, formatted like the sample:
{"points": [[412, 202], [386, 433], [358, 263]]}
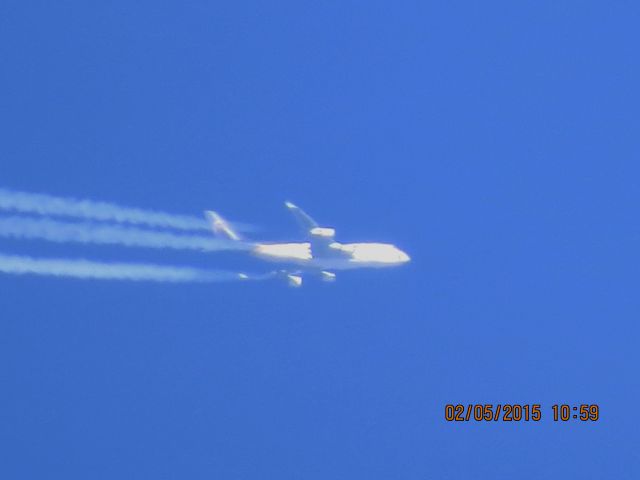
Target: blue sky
{"points": [[496, 142]]}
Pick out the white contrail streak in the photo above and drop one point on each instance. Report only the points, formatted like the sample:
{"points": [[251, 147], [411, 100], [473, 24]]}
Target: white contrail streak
{"points": [[90, 210], [66, 232], [84, 269]]}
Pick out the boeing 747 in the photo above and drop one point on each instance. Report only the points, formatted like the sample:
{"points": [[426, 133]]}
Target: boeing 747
{"points": [[320, 255]]}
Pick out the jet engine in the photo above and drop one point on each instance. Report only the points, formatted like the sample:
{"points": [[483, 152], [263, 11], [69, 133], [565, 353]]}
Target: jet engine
{"points": [[328, 276], [323, 232]]}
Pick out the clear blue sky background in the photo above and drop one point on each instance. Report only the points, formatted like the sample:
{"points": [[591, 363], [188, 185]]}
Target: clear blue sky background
{"points": [[496, 142]]}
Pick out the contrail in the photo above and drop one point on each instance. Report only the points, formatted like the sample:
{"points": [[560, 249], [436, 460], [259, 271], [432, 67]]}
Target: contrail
{"points": [[90, 210], [84, 269], [66, 232]]}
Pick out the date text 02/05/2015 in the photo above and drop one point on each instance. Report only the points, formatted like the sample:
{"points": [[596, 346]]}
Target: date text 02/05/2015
{"points": [[513, 412]]}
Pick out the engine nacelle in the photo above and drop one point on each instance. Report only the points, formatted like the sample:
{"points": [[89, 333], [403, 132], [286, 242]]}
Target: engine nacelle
{"points": [[323, 232], [328, 276], [295, 281]]}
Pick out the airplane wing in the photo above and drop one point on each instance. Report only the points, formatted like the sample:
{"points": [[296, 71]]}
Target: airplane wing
{"points": [[305, 221], [320, 237]]}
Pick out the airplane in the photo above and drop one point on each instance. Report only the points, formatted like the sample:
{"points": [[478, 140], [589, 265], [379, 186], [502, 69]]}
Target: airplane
{"points": [[319, 255]]}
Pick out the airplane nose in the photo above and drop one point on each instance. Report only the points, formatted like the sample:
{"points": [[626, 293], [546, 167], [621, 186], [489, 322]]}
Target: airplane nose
{"points": [[403, 257]]}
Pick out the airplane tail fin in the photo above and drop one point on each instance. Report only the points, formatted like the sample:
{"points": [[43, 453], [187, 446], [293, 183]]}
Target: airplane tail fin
{"points": [[221, 227]]}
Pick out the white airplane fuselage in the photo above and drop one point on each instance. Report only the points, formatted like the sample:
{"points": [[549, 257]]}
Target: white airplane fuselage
{"points": [[337, 256]]}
